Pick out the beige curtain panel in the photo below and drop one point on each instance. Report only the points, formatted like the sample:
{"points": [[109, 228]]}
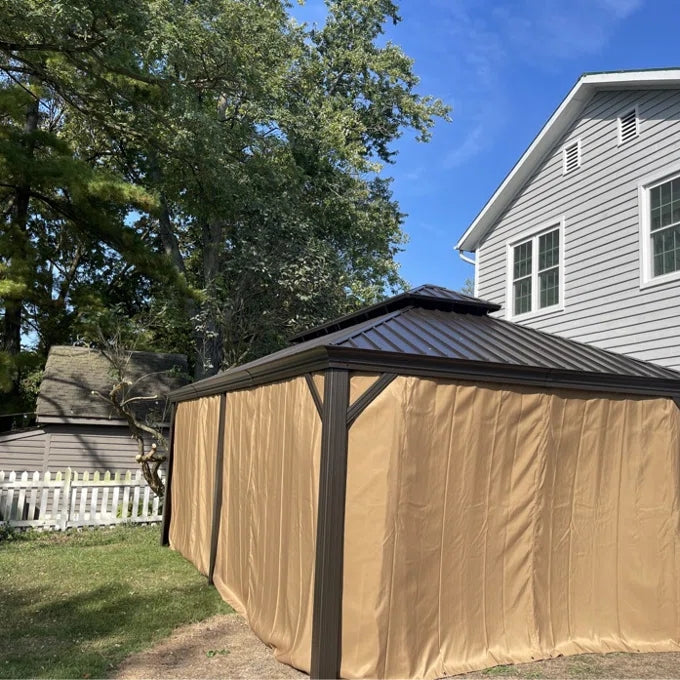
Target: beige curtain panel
{"points": [[491, 525], [484, 525], [267, 540], [195, 451]]}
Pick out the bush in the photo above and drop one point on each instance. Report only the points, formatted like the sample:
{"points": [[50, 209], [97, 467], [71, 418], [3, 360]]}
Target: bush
{"points": [[7, 532]]}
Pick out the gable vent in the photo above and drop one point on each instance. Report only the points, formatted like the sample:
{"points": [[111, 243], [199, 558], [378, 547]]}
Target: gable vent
{"points": [[628, 126], [571, 157]]}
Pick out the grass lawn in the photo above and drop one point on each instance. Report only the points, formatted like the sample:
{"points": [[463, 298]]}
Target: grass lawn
{"points": [[74, 605]]}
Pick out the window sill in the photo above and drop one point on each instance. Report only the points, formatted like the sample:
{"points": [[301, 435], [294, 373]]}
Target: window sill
{"points": [[546, 311], [660, 280]]}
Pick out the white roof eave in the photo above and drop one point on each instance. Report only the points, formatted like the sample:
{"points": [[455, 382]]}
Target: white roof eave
{"points": [[551, 132]]}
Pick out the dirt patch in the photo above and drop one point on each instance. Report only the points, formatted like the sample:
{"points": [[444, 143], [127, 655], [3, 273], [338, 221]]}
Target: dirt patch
{"points": [[585, 666], [224, 646], [221, 646]]}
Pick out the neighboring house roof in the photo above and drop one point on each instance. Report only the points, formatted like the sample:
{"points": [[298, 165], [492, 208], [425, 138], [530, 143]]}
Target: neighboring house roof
{"points": [[452, 334], [73, 373], [566, 113]]}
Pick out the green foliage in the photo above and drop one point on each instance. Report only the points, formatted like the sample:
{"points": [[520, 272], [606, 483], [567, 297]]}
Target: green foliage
{"points": [[468, 287], [213, 166], [216, 652], [7, 532]]}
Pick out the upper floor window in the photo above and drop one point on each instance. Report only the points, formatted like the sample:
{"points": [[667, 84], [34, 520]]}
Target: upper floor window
{"points": [[661, 230], [536, 268]]}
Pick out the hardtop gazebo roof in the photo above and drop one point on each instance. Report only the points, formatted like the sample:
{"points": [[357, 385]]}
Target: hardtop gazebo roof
{"points": [[433, 331]]}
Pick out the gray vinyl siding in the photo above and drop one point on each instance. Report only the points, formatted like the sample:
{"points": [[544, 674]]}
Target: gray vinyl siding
{"points": [[57, 447], [23, 451], [603, 301]]}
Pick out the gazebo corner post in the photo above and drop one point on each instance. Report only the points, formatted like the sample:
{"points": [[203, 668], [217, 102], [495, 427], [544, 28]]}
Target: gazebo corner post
{"points": [[217, 489], [167, 505], [328, 572]]}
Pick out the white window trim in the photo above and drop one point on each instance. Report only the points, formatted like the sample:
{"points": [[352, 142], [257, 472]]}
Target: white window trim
{"points": [[646, 278], [533, 235], [619, 140], [578, 156]]}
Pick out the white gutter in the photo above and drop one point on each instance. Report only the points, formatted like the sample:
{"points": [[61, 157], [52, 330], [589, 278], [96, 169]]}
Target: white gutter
{"points": [[465, 258]]}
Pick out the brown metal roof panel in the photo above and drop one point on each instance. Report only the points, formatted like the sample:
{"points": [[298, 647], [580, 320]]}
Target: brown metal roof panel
{"points": [[525, 349], [453, 335], [589, 356], [472, 345], [459, 335]]}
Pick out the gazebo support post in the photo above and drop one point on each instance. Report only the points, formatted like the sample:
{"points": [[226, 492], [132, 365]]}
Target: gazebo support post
{"points": [[337, 417], [217, 490], [330, 531], [167, 505]]}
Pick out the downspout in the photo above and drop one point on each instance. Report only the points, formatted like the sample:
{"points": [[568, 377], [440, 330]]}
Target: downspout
{"points": [[465, 258]]}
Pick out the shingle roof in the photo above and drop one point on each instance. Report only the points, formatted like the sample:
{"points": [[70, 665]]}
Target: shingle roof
{"points": [[73, 373], [458, 336]]}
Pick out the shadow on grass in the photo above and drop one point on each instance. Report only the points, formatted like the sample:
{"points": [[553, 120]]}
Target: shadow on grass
{"points": [[87, 634]]}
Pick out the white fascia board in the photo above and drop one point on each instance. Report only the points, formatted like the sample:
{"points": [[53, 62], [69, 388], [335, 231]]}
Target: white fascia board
{"points": [[557, 125]]}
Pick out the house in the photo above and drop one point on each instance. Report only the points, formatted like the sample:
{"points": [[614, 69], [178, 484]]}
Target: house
{"points": [[419, 489], [582, 238], [80, 430]]}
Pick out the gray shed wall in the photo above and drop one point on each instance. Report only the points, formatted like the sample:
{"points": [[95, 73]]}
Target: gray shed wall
{"points": [[604, 304], [57, 447]]}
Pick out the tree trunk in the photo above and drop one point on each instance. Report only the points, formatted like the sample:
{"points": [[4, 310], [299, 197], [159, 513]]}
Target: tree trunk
{"points": [[11, 330], [209, 341]]}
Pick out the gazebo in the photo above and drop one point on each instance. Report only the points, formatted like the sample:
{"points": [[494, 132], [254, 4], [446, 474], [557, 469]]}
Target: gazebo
{"points": [[420, 489]]}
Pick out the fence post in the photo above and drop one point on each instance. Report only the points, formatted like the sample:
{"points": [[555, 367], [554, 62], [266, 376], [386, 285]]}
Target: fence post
{"points": [[66, 501]]}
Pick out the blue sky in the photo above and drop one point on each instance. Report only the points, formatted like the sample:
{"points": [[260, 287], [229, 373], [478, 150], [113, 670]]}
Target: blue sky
{"points": [[504, 67]]}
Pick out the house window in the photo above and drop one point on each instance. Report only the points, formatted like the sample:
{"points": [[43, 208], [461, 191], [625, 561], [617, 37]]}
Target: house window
{"points": [[536, 275], [664, 227], [522, 277]]}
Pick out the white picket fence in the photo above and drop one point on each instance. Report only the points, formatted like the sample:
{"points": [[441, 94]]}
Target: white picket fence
{"points": [[65, 500]]}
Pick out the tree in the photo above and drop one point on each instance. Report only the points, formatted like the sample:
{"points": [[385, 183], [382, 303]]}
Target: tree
{"points": [[116, 335], [212, 160], [469, 286], [123, 398]]}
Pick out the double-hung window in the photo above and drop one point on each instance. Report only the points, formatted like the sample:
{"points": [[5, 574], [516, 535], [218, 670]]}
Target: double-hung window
{"points": [[535, 265], [664, 227]]}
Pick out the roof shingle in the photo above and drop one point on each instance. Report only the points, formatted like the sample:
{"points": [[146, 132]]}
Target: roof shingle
{"points": [[73, 373]]}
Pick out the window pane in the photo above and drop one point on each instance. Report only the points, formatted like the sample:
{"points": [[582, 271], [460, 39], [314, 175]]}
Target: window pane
{"points": [[549, 250], [549, 287], [522, 290], [664, 204], [666, 251], [665, 193], [655, 197], [665, 214], [675, 190], [522, 260]]}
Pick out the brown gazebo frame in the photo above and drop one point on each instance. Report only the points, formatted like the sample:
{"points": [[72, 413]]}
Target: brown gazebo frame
{"points": [[337, 415]]}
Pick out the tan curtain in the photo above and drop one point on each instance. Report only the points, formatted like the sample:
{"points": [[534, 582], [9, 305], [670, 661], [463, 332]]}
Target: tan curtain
{"points": [[267, 539], [491, 525], [193, 478]]}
